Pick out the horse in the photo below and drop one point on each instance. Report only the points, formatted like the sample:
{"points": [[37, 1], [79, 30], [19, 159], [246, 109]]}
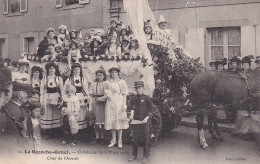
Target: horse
{"points": [[212, 90]]}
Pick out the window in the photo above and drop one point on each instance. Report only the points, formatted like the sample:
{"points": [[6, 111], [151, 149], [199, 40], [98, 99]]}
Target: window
{"points": [[2, 48], [224, 42], [69, 3], [15, 6], [114, 3], [29, 46]]}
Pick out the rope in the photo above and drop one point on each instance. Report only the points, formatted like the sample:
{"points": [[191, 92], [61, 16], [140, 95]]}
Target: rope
{"points": [[156, 8], [223, 106], [187, 3]]}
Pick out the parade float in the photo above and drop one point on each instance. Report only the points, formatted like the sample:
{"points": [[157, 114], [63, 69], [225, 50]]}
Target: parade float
{"points": [[165, 67]]}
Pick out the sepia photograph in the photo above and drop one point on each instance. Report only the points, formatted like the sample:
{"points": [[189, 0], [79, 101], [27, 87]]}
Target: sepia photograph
{"points": [[130, 81]]}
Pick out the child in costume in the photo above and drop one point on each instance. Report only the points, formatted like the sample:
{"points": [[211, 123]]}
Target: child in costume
{"points": [[98, 104], [22, 76], [36, 112], [141, 112], [71, 113], [135, 53], [62, 34], [73, 54], [113, 49]]}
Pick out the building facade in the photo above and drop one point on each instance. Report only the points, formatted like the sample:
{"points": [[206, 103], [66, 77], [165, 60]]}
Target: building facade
{"points": [[208, 29]]}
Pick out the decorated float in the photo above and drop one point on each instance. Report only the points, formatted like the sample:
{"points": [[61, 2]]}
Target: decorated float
{"points": [[164, 66]]}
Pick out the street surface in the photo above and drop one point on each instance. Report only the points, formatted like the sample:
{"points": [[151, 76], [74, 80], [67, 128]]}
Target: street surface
{"points": [[178, 146]]}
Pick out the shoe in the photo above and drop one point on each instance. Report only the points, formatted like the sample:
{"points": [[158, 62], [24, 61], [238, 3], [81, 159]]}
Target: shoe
{"points": [[132, 158], [73, 144], [93, 142], [144, 160], [64, 142], [112, 143], [102, 141], [120, 145], [207, 149]]}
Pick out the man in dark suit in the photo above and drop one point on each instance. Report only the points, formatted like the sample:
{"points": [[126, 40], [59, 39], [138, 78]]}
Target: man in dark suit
{"points": [[234, 65], [17, 117]]}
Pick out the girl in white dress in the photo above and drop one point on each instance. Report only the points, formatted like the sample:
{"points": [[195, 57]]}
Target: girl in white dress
{"points": [[115, 111]]}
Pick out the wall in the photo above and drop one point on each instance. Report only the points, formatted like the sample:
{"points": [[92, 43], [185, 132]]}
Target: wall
{"points": [[41, 15], [203, 14]]}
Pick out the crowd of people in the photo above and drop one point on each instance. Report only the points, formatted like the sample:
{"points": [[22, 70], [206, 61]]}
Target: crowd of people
{"points": [[49, 106], [118, 43]]}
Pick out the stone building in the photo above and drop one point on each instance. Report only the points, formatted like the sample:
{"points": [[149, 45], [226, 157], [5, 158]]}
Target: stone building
{"points": [[208, 29]]}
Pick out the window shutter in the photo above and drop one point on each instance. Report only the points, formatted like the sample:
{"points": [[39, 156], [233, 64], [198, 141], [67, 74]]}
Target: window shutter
{"points": [[23, 6], [58, 3], [5, 6], [81, 2]]}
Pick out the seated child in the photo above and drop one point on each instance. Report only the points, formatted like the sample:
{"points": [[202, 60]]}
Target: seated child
{"points": [[22, 76], [135, 53], [95, 49], [71, 113], [113, 49], [50, 54], [73, 54]]}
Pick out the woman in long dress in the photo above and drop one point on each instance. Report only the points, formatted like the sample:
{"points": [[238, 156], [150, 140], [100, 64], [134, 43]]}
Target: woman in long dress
{"points": [[51, 98], [115, 112], [81, 84]]}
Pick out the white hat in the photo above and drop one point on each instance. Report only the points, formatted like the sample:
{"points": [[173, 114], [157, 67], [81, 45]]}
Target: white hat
{"points": [[161, 19], [63, 27]]}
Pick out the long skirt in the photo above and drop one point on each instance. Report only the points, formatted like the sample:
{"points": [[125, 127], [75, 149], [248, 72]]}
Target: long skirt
{"points": [[82, 117], [52, 117], [98, 108], [114, 107]]}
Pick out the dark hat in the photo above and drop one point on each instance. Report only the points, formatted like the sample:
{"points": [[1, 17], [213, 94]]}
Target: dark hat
{"points": [[213, 63], [51, 64], [36, 92], [15, 63], [114, 69], [246, 59], [37, 68], [22, 87], [23, 62], [113, 20], [235, 59], [221, 61], [125, 41], [138, 84], [7, 76], [104, 37], [34, 104], [76, 65], [2, 85], [7, 60], [257, 59]]}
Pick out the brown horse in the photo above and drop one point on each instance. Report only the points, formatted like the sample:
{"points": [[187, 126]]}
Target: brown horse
{"points": [[212, 88]]}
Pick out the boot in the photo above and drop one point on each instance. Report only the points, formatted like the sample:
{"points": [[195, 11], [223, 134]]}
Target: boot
{"points": [[144, 160], [132, 158]]}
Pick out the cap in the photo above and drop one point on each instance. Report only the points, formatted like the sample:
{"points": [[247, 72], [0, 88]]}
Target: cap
{"points": [[138, 84], [22, 87]]}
